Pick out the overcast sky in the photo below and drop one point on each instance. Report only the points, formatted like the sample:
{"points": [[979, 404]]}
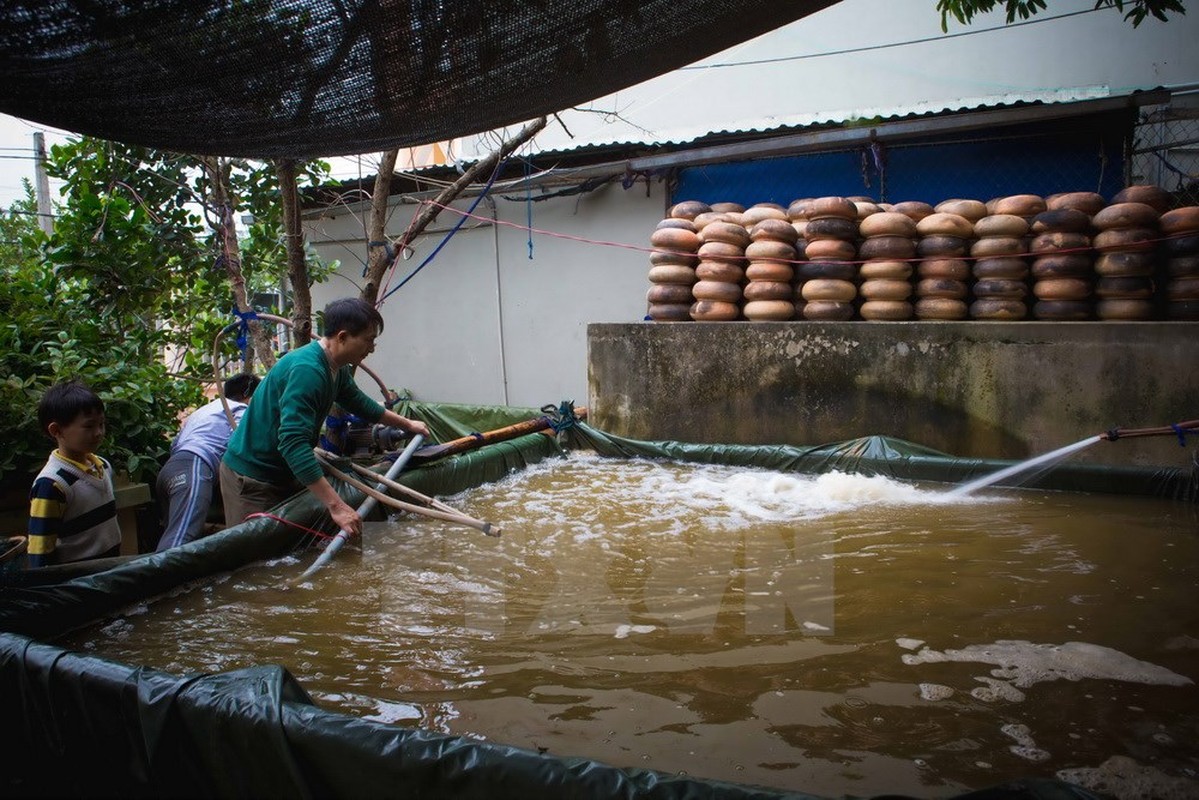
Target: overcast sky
{"points": [[16, 155]]}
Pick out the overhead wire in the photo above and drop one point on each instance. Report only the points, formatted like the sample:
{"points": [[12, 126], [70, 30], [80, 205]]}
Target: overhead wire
{"points": [[884, 46]]}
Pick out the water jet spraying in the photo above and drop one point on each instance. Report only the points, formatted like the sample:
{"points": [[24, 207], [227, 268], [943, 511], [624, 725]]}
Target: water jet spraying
{"points": [[1179, 429]]}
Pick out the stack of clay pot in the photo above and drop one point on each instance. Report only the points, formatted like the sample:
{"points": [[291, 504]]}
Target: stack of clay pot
{"points": [[945, 239], [672, 263], [1126, 259], [1058, 255], [1180, 229], [719, 274], [1063, 264], [886, 251], [797, 213], [829, 272], [771, 256], [1000, 268], [1131, 261]]}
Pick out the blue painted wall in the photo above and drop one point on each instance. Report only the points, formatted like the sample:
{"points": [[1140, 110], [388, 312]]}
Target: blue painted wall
{"points": [[1085, 154]]}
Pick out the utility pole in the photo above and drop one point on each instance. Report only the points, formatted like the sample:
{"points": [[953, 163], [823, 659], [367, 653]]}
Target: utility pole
{"points": [[42, 189]]}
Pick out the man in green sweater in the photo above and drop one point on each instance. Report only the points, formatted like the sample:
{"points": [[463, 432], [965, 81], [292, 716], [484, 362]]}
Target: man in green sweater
{"points": [[270, 456]]}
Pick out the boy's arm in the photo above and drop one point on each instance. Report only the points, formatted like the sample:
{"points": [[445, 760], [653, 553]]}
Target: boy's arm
{"points": [[47, 503]]}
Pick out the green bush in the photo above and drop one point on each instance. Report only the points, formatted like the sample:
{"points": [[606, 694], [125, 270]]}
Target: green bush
{"points": [[56, 327], [130, 274]]}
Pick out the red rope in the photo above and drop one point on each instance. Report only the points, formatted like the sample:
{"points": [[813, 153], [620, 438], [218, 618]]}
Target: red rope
{"points": [[966, 257], [285, 521]]}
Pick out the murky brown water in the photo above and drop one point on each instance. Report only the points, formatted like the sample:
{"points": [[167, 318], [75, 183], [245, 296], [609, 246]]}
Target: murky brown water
{"points": [[834, 635]]}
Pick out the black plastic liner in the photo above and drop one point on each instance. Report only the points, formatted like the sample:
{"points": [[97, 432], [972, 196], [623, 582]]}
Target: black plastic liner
{"points": [[316, 78], [78, 725]]}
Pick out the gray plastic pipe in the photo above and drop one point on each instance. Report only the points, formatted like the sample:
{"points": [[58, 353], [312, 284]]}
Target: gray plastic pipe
{"points": [[367, 506]]}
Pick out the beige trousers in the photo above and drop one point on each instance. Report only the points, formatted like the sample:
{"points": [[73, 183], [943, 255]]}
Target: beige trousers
{"points": [[242, 495]]}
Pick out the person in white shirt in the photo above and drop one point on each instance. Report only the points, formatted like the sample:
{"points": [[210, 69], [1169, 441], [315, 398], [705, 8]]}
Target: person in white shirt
{"points": [[185, 483]]}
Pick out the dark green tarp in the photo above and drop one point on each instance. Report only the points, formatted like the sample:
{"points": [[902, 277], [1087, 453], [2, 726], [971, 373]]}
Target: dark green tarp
{"points": [[77, 725], [902, 460]]}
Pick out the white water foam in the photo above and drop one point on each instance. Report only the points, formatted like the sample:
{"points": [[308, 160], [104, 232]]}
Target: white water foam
{"points": [[1024, 747], [589, 490], [779, 496], [1122, 777], [623, 631], [935, 691], [1025, 664]]}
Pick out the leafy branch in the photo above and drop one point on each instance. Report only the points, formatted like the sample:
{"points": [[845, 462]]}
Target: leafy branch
{"points": [[1137, 10]]}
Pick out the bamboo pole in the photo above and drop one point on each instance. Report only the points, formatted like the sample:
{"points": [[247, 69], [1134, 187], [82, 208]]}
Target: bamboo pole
{"points": [[1164, 430], [396, 485], [474, 441], [445, 516]]}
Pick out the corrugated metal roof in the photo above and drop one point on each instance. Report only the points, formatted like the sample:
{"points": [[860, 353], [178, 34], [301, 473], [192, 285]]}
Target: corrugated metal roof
{"points": [[1070, 102], [840, 117], [823, 130]]}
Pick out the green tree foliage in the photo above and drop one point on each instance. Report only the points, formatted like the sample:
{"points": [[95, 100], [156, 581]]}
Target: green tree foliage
{"points": [[23, 291], [129, 276], [263, 252], [1137, 10]]}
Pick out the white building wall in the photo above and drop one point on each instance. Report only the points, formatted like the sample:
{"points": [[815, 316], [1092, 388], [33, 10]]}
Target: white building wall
{"points": [[483, 322]]}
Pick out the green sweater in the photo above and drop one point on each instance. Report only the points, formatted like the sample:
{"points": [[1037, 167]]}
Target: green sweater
{"points": [[282, 424]]}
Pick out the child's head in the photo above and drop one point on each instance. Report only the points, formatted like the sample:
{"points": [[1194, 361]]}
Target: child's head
{"points": [[241, 386], [72, 415]]}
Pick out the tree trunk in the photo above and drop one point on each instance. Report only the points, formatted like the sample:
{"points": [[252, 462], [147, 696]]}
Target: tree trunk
{"points": [[226, 236], [377, 258], [297, 264], [376, 267]]}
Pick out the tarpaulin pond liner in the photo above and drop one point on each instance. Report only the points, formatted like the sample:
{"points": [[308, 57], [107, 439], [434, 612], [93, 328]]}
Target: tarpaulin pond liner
{"points": [[78, 725]]}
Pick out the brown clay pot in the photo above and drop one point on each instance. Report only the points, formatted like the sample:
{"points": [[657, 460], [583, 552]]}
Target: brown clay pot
{"points": [[688, 209], [769, 310], [672, 273], [714, 311], [660, 312], [886, 310]]}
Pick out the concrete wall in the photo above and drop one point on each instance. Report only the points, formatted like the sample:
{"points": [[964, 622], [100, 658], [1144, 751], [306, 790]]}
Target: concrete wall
{"points": [[980, 389], [486, 323]]}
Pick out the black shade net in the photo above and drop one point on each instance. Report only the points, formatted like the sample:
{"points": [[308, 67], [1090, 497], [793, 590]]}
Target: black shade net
{"points": [[309, 78]]}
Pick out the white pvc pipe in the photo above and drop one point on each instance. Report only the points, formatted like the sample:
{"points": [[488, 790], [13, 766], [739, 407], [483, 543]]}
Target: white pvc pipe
{"points": [[367, 506]]}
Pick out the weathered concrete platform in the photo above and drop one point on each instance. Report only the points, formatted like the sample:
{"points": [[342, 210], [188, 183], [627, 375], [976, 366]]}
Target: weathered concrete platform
{"points": [[974, 389]]}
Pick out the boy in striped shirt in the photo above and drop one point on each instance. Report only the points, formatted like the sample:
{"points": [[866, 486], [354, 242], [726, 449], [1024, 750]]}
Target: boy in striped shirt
{"points": [[72, 505]]}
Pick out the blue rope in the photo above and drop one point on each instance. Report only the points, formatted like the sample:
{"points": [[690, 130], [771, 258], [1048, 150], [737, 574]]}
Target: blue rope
{"points": [[529, 205], [449, 234], [243, 332], [336, 424], [562, 417], [1182, 434], [388, 252]]}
